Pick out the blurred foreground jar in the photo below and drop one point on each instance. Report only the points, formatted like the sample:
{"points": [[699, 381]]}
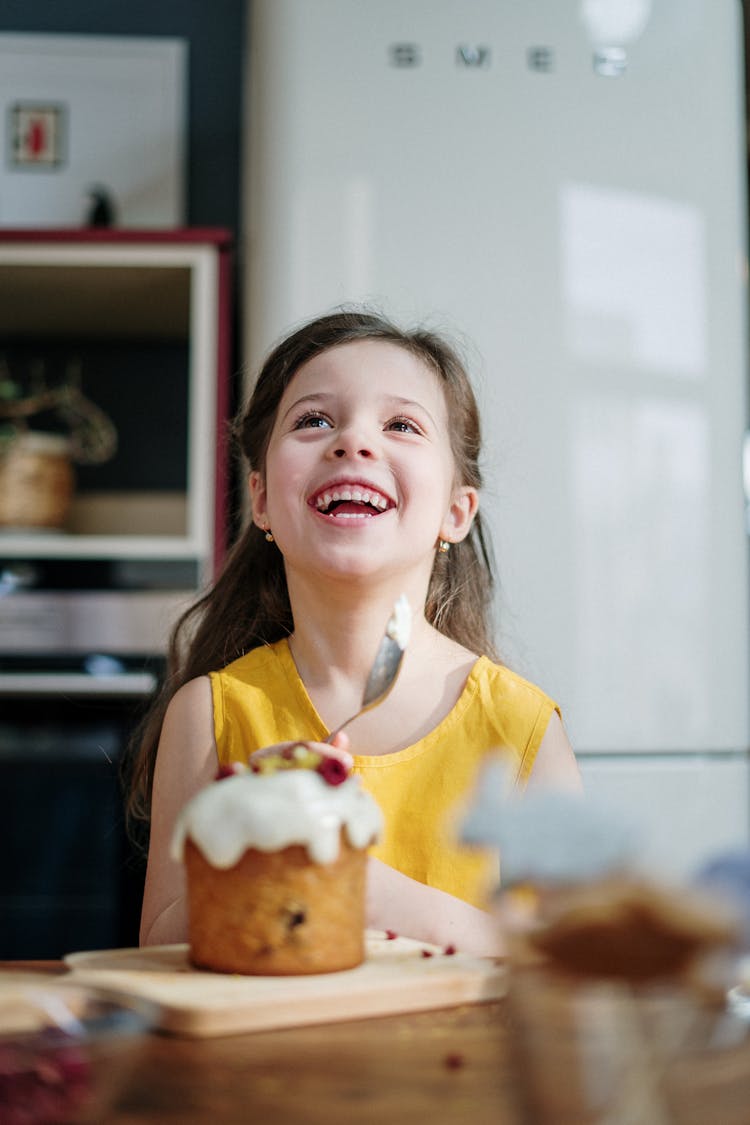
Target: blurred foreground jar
{"points": [[36, 481]]}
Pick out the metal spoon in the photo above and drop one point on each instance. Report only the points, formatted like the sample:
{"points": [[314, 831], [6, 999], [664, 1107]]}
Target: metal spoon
{"points": [[387, 663]]}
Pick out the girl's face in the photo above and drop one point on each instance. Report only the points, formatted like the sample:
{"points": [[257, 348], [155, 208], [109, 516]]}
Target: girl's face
{"points": [[359, 472]]}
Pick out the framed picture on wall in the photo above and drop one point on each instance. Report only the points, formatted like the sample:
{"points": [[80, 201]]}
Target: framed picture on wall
{"points": [[37, 134]]}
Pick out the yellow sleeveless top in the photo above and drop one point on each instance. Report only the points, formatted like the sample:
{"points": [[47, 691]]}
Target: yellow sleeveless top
{"points": [[259, 700]]}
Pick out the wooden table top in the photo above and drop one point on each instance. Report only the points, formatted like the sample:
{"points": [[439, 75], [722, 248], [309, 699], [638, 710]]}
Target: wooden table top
{"points": [[508, 1062]]}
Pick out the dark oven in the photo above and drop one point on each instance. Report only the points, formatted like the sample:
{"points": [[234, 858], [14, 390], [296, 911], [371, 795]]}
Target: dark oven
{"points": [[81, 654]]}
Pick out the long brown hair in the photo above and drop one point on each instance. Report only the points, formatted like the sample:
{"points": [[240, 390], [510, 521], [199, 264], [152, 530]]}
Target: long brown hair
{"points": [[248, 605]]}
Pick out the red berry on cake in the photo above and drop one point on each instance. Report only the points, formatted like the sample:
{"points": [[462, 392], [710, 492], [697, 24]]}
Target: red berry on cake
{"points": [[231, 769], [333, 771]]}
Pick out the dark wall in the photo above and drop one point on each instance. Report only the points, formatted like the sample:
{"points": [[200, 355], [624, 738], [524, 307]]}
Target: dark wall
{"points": [[214, 30]]}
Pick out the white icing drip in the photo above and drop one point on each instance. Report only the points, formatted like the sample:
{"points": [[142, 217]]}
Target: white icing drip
{"points": [[399, 623], [272, 811]]}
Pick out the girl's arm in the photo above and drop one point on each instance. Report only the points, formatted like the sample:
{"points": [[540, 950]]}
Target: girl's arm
{"points": [[411, 909], [396, 902], [186, 761]]}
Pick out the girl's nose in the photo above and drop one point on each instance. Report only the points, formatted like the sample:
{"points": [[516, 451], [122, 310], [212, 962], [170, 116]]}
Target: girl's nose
{"points": [[340, 451], [354, 441]]}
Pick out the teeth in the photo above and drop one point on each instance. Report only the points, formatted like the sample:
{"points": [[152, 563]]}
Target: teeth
{"points": [[358, 495]]}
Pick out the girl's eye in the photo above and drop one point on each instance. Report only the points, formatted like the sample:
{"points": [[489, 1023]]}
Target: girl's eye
{"points": [[403, 426], [312, 420]]}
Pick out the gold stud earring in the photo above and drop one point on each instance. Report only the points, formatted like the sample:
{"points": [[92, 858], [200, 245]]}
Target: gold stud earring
{"points": [[444, 546]]}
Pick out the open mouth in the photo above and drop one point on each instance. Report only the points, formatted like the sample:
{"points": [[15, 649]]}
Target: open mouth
{"points": [[351, 502]]}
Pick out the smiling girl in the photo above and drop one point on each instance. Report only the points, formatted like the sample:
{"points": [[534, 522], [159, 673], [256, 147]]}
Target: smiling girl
{"points": [[362, 442]]}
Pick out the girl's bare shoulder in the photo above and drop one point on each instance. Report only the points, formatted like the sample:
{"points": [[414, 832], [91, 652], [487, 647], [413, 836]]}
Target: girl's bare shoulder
{"points": [[193, 694], [189, 716], [555, 765]]}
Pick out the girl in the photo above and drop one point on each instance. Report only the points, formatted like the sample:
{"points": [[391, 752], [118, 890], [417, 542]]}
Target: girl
{"points": [[362, 442]]}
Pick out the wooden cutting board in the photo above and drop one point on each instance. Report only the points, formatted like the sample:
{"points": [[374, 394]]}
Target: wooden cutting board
{"points": [[395, 977]]}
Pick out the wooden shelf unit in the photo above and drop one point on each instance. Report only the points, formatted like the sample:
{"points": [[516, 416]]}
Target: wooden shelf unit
{"points": [[65, 291]]}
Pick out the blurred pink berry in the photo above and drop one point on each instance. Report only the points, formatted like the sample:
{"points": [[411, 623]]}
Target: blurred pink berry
{"points": [[333, 771]]}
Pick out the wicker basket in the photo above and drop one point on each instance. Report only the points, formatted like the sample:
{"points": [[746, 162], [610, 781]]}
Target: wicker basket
{"points": [[36, 481]]}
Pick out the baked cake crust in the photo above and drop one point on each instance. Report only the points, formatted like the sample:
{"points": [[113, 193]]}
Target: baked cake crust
{"points": [[277, 913]]}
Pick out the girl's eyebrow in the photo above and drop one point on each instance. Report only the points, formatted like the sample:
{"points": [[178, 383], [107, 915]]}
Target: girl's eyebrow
{"points": [[411, 404], [316, 397]]}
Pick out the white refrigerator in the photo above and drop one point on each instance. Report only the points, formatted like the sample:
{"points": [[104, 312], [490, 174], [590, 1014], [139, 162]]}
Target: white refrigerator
{"points": [[560, 185]]}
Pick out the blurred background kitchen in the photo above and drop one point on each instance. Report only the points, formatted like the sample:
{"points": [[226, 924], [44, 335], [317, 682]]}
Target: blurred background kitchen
{"points": [[559, 184]]}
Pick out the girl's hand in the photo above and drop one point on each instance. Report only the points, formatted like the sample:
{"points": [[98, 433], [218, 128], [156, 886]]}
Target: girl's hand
{"points": [[338, 750]]}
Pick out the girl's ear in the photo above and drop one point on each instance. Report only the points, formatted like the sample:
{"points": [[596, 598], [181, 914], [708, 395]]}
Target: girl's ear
{"points": [[460, 515], [257, 489]]}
